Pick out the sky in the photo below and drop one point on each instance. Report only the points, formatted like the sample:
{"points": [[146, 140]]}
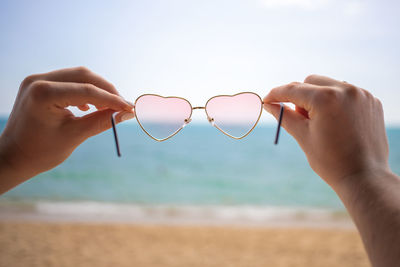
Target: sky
{"points": [[198, 49]]}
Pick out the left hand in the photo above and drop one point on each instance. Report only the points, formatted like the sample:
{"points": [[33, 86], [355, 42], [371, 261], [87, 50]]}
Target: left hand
{"points": [[41, 132]]}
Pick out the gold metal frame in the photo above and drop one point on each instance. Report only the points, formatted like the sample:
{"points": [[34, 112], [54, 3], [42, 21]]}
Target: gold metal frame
{"points": [[188, 120], [177, 131], [255, 124]]}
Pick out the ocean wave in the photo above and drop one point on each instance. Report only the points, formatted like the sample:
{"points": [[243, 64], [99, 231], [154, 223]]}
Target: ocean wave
{"points": [[175, 214]]}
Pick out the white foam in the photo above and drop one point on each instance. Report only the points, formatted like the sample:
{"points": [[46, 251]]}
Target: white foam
{"points": [[179, 214]]}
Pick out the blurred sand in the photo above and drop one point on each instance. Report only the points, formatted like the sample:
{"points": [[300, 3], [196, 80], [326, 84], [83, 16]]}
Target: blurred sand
{"points": [[83, 244]]}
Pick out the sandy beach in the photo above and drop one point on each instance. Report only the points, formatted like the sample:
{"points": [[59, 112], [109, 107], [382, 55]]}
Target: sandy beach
{"points": [[94, 234], [84, 244]]}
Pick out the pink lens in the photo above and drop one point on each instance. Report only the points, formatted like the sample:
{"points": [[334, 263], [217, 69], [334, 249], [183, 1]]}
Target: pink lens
{"points": [[162, 117], [235, 115]]}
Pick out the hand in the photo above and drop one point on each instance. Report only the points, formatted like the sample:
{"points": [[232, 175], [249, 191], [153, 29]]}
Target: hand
{"points": [[339, 126], [41, 132]]}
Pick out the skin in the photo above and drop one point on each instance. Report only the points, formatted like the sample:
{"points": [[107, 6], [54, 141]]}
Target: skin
{"points": [[41, 132], [339, 126]]}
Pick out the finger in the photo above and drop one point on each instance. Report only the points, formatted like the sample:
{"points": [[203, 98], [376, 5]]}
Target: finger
{"points": [[322, 80], [299, 94], [84, 107], [293, 122], [100, 108], [64, 94], [77, 75], [100, 121]]}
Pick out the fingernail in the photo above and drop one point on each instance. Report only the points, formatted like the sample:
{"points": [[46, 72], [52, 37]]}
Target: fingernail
{"points": [[127, 116], [129, 102]]}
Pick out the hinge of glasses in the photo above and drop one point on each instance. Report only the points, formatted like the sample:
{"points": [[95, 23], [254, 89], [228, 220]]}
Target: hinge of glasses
{"points": [[186, 122], [211, 120]]}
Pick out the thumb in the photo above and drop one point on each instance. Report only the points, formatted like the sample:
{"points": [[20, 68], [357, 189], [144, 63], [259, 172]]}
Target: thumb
{"points": [[292, 121], [100, 121]]}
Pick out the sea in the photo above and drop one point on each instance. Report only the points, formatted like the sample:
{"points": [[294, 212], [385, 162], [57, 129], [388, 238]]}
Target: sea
{"points": [[198, 167]]}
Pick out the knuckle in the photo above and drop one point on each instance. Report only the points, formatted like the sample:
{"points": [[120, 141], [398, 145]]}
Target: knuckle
{"points": [[367, 94], [351, 90], [88, 88], [379, 103], [28, 81], [293, 85], [82, 70], [39, 90], [326, 96], [310, 78]]}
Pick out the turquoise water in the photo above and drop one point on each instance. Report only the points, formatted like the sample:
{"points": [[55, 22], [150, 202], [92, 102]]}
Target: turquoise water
{"points": [[199, 166]]}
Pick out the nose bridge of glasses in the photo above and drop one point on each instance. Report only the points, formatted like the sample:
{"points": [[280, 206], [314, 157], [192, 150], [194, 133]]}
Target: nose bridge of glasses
{"points": [[198, 108], [210, 120]]}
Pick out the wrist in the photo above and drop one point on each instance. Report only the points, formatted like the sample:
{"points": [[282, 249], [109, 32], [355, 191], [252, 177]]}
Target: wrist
{"points": [[372, 200], [8, 179], [10, 173], [366, 185]]}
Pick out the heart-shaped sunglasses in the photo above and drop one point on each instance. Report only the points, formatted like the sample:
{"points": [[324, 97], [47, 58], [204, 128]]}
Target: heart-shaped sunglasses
{"points": [[163, 117]]}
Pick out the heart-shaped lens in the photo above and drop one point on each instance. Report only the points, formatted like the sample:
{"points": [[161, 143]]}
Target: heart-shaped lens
{"points": [[162, 117], [235, 115]]}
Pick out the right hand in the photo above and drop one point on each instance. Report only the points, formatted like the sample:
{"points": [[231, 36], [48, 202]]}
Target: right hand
{"points": [[339, 126]]}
